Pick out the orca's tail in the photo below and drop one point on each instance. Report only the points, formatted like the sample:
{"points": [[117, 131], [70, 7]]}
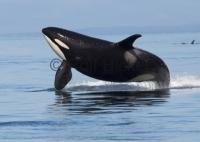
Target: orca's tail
{"points": [[163, 77]]}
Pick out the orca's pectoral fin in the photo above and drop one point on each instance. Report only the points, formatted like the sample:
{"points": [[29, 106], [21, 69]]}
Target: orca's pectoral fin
{"points": [[63, 75], [128, 42]]}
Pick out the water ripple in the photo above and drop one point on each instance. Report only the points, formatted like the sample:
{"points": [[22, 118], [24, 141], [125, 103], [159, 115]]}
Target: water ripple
{"points": [[30, 123]]}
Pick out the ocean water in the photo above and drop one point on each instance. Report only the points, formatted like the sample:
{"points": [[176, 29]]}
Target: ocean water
{"points": [[93, 110]]}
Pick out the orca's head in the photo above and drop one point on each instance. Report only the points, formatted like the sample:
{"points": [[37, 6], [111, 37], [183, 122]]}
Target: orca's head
{"points": [[57, 38]]}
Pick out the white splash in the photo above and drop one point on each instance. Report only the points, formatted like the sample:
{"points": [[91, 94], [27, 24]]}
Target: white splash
{"points": [[185, 81], [177, 82]]}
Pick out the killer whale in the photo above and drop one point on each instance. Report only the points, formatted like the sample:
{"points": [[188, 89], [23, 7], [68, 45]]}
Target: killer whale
{"points": [[104, 60]]}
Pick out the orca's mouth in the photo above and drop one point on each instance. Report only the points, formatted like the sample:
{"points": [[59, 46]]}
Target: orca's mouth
{"points": [[55, 47]]}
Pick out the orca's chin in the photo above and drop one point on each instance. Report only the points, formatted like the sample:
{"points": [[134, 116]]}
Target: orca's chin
{"points": [[55, 47]]}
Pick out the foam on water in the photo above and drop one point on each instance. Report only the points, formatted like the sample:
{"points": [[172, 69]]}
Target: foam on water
{"points": [[177, 82], [185, 81]]}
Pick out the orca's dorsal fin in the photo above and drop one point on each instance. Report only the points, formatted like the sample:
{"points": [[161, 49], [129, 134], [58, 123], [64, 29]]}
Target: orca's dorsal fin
{"points": [[128, 42]]}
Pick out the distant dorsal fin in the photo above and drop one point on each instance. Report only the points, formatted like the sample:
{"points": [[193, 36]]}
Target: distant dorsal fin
{"points": [[128, 42]]}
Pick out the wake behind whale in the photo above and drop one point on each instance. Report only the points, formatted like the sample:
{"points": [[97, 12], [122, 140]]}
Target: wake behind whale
{"points": [[178, 82]]}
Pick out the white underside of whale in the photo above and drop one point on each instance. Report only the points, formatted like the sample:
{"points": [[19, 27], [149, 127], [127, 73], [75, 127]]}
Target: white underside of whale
{"points": [[55, 48]]}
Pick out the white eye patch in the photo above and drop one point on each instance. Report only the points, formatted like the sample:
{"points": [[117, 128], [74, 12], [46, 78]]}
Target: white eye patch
{"points": [[61, 35], [61, 44]]}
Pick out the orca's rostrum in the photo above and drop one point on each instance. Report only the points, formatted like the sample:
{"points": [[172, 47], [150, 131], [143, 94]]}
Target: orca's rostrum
{"points": [[104, 60]]}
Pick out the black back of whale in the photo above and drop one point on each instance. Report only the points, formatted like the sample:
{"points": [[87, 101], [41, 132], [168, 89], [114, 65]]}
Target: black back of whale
{"points": [[109, 61]]}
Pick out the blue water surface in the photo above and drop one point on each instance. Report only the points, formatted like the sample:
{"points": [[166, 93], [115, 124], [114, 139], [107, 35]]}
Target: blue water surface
{"points": [[93, 110]]}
